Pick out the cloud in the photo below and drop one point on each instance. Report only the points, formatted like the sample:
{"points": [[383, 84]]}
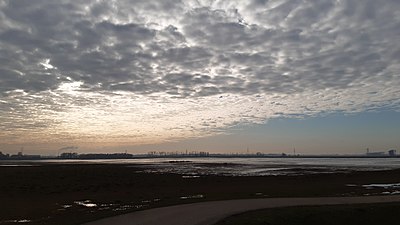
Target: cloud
{"points": [[68, 148], [129, 70]]}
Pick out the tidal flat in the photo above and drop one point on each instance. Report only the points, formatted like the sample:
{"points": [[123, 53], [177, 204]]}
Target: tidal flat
{"points": [[58, 193]]}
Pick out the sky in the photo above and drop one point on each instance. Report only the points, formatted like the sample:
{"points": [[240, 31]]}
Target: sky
{"points": [[220, 76]]}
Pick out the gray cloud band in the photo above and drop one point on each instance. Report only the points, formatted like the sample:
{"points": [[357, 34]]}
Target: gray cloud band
{"points": [[189, 50]]}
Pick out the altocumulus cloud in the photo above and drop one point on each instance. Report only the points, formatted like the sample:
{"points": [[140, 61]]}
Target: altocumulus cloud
{"points": [[152, 71]]}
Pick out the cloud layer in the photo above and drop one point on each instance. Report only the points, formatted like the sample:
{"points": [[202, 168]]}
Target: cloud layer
{"points": [[153, 71]]}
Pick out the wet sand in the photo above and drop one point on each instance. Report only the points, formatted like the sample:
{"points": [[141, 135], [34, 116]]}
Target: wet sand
{"points": [[75, 194], [208, 213]]}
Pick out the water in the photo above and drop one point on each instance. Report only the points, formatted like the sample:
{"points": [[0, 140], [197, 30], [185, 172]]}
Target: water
{"points": [[191, 168]]}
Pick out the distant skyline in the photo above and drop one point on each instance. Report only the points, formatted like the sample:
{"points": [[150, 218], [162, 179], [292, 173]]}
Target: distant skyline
{"points": [[219, 76]]}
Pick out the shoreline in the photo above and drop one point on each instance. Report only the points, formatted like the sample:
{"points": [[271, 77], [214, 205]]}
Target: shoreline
{"points": [[216, 156]]}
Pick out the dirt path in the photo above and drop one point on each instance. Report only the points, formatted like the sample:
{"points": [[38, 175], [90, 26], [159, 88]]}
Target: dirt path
{"points": [[208, 213]]}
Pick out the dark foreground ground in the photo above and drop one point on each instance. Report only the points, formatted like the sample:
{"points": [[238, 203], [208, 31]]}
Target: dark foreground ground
{"points": [[73, 194], [365, 214]]}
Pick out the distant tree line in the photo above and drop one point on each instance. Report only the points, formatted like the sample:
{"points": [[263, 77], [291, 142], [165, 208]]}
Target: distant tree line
{"points": [[19, 155], [4, 156], [74, 155]]}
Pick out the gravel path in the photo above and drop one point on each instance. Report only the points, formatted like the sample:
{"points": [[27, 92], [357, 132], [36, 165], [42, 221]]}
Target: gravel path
{"points": [[208, 213]]}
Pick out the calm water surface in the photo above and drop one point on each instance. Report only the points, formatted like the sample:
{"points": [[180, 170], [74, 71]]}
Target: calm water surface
{"points": [[192, 167]]}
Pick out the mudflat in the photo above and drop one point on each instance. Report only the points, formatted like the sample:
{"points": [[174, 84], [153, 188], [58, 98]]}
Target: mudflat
{"points": [[352, 214], [79, 193], [208, 213]]}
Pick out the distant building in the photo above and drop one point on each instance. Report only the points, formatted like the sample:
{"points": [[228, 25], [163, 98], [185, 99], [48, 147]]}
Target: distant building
{"points": [[259, 154], [376, 154], [20, 155], [392, 152], [3, 156], [69, 155]]}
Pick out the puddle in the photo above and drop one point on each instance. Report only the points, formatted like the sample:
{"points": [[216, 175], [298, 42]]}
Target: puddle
{"points": [[107, 206], [16, 221], [192, 197], [127, 207], [66, 206], [189, 177], [383, 189], [86, 203], [386, 186]]}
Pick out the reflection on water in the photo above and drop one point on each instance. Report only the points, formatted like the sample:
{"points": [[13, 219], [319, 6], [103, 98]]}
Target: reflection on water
{"points": [[15, 221], [195, 170], [89, 204], [16, 165], [268, 166], [127, 207], [190, 176], [386, 186], [380, 189], [66, 206], [86, 203], [195, 167], [192, 197]]}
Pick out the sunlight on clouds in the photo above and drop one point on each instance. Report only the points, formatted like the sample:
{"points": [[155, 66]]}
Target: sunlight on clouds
{"points": [[71, 88], [46, 64], [129, 72], [123, 117]]}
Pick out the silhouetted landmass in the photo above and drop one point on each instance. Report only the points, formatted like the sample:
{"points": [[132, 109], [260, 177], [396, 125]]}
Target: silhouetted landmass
{"points": [[96, 156], [74, 155], [19, 156]]}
